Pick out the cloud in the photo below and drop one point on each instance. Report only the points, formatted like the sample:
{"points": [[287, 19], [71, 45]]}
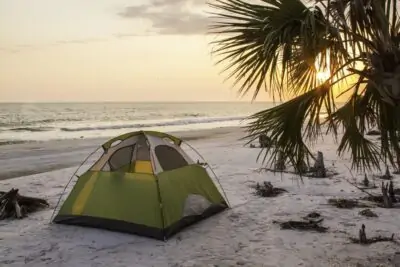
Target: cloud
{"points": [[134, 11], [166, 17], [171, 16]]}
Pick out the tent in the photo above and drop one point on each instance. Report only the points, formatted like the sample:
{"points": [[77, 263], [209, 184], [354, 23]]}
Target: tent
{"points": [[143, 183]]}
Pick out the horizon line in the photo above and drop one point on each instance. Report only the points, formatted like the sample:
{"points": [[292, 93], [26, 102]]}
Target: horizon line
{"points": [[127, 102]]}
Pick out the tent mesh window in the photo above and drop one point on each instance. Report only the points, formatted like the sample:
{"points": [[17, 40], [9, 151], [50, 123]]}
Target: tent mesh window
{"points": [[169, 158], [121, 159]]}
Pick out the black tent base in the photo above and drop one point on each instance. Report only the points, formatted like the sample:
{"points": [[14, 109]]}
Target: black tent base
{"points": [[138, 229]]}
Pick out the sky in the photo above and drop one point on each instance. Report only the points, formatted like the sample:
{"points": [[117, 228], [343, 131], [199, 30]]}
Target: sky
{"points": [[108, 50]]}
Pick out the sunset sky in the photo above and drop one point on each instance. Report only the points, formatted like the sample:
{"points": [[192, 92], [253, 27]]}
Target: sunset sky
{"points": [[108, 50]]}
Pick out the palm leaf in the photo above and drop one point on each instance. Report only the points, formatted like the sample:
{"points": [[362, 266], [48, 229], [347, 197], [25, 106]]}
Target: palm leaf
{"points": [[284, 125]]}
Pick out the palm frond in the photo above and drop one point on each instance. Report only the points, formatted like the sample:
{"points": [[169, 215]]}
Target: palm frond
{"points": [[364, 153], [272, 46], [284, 125]]}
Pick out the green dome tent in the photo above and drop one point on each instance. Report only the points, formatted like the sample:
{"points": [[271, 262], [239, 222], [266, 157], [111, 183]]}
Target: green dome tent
{"points": [[145, 184]]}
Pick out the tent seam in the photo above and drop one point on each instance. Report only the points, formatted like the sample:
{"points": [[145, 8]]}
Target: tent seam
{"points": [[158, 190]]}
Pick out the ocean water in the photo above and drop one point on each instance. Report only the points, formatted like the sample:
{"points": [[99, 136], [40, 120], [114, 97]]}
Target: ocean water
{"points": [[49, 121]]}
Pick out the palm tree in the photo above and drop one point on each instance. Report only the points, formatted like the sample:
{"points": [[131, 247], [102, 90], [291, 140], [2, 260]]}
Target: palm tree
{"points": [[282, 46]]}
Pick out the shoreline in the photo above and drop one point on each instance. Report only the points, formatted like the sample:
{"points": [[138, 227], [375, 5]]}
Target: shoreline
{"points": [[30, 158]]}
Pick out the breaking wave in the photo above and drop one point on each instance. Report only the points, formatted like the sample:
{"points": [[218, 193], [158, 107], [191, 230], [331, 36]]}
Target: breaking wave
{"points": [[14, 142], [36, 122], [155, 124], [32, 129]]}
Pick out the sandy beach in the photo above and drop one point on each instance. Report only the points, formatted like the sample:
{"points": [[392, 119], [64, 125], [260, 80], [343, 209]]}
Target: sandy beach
{"points": [[244, 235]]}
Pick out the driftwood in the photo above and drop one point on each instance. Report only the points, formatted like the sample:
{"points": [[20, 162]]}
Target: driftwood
{"points": [[366, 181], [280, 163], [307, 225], [368, 213], [268, 190], [13, 204], [362, 238], [372, 198], [355, 185], [388, 197], [392, 194], [343, 203], [264, 140], [387, 201], [382, 201], [319, 166], [301, 168], [387, 175], [312, 216], [366, 184], [310, 173]]}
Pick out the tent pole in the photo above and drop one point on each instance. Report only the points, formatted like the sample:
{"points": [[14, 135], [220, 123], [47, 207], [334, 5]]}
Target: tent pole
{"points": [[158, 189], [216, 177], [69, 181]]}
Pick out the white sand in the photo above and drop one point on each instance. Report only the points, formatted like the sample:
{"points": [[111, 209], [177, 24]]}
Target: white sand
{"points": [[241, 236]]}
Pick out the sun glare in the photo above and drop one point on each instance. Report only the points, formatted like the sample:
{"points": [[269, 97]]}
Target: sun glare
{"points": [[323, 75]]}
